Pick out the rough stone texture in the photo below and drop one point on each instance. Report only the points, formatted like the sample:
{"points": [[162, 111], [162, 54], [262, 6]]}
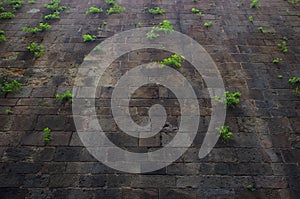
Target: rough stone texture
{"points": [[264, 150]]}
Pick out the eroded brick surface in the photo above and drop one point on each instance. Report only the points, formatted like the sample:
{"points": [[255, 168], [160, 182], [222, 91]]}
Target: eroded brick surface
{"points": [[265, 148]]}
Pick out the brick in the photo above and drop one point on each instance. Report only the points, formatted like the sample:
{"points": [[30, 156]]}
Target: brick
{"points": [[13, 193], [36, 180], [74, 193], [215, 193], [139, 193], [43, 154], [86, 167], [24, 92], [271, 182], [222, 155], [24, 167], [184, 169], [54, 168], [54, 122], [17, 154], [243, 169], [177, 193], [249, 155], [153, 181], [254, 125], [6, 122], [37, 193], [32, 139], [108, 193], [291, 156], [10, 138], [92, 180], [23, 122], [9, 180], [60, 138], [63, 180], [66, 154]]}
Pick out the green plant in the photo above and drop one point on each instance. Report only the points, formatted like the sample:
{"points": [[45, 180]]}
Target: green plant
{"points": [[139, 24], [93, 10], [110, 2], [254, 4], [156, 11], [250, 187], [65, 97], [295, 81], [11, 87], [31, 1], [16, 4], [229, 99], [152, 35], [1, 6], [208, 24], [195, 0], [165, 27], [285, 38], [115, 9], [294, 2], [42, 27], [54, 5], [263, 30], [175, 60], [6, 15], [54, 15], [212, 4], [8, 111], [250, 18], [2, 36], [37, 49], [277, 60], [56, 8], [197, 12], [287, 10], [279, 76], [282, 47], [88, 37], [47, 135], [225, 133]]}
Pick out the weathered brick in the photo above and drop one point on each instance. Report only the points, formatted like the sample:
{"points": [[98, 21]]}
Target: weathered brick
{"points": [[107, 193], [36, 180], [177, 193], [74, 193], [13, 193], [271, 182], [10, 138], [54, 122], [17, 154], [23, 122], [92, 180], [64, 180], [24, 167], [9, 180], [37, 193], [66, 154], [6, 122]]}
